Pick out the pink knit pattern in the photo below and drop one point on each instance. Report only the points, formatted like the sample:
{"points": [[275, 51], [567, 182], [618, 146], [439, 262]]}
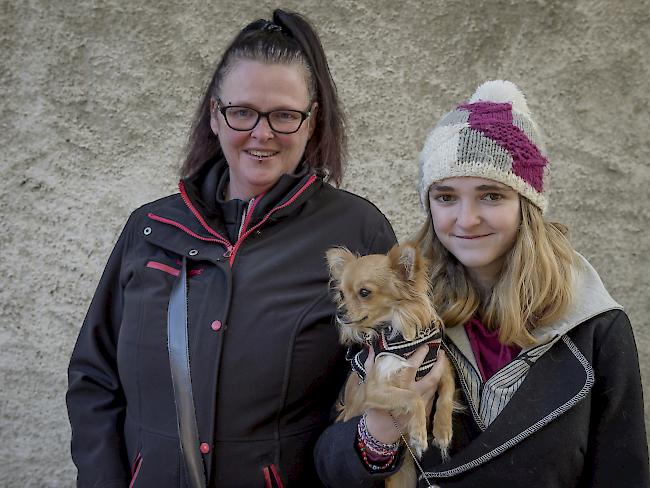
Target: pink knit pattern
{"points": [[494, 120]]}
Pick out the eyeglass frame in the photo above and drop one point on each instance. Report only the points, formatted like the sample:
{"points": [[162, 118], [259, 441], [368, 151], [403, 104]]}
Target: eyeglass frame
{"points": [[304, 116]]}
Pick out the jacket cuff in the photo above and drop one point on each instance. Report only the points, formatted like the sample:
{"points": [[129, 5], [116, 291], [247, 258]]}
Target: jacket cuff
{"points": [[338, 462]]}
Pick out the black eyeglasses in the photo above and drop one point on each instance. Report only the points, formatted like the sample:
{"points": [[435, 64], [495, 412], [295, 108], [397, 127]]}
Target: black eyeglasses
{"points": [[246, 118]]}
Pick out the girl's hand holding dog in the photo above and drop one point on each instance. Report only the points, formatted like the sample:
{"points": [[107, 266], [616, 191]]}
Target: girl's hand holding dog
{"points": [[380, 422]]}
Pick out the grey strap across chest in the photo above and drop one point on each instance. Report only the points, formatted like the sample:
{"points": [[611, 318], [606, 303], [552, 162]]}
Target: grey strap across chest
{"points": [[179, 362]]}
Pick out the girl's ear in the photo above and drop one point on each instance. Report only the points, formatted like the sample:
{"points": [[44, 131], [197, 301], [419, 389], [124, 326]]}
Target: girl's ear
{"points": [[337, 258]]}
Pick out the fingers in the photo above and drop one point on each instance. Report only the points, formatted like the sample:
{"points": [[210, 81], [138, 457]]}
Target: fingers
{"points": [[433, 376], [428, 384], [418, 356]]}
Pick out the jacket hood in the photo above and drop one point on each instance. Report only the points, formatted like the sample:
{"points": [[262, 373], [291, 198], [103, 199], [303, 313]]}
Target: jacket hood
{"points": [[590, 298]]}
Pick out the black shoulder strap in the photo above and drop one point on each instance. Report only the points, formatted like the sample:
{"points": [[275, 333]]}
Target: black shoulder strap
{"points": [[179, 362]]}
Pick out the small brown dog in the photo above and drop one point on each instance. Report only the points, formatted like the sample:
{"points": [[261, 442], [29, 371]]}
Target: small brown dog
{"points": [[384, 300]]}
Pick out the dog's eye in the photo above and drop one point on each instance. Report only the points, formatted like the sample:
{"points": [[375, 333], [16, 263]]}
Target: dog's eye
{"points": [[364, 292]]}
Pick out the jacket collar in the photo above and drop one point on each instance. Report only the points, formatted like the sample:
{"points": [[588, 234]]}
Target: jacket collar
{"points": [[183, 225], [206, 191]]}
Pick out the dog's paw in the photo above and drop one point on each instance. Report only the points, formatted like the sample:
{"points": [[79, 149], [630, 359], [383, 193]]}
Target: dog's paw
{"points": [[418, 442], [442, 438]]}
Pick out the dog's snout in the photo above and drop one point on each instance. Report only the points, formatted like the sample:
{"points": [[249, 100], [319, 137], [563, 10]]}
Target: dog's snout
{"points": [[342, 313]]}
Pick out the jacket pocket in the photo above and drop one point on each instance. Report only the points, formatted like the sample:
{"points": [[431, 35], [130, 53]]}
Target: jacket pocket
{"points": [[163, 267], [135, 469], [194, 271], [272, 477]]}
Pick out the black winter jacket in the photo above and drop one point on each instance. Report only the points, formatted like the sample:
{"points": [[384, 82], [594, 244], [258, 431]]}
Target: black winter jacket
{"points": [[266, 365], [575, 422]]}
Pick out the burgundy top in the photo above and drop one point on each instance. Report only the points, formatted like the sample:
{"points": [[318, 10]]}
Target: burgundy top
{"points": [[490, 354]]}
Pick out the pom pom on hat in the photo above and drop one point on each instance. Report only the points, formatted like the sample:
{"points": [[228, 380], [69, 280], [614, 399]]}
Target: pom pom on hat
{"points": [[493, 137], [501, 91]]}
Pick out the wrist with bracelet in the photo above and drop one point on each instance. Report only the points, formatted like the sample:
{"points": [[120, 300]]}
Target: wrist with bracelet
{"points": [[376, 455]]}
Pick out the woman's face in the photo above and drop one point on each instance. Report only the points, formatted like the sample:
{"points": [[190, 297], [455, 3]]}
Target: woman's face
{"points": [[476, 219], [258, 157]]}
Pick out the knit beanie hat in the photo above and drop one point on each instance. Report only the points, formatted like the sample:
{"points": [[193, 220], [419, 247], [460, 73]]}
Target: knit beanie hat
{"points": [[494, 137]]}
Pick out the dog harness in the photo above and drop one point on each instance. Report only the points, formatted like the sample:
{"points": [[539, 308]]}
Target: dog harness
{"points": [[398, 347]]}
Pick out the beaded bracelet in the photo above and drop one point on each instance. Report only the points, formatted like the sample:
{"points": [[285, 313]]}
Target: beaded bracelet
{"points": [[376, 455], [372, 463], [373, 445]]}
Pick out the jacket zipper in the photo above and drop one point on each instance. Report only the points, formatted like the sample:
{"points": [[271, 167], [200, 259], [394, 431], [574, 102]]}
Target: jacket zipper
{"points": [[248, 214], [248, 232]]}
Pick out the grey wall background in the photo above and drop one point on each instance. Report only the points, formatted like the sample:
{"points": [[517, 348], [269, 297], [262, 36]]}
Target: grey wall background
{"points": [[96, 101]]}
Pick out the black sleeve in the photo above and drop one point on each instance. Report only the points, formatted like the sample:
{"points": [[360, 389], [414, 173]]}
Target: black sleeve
{"points": [[95, 400], [383, 238], [617, 453], [338, 463]]}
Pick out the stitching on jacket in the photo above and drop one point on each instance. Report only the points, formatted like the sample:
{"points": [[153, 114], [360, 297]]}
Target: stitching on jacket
{"points": [[533, 428]]}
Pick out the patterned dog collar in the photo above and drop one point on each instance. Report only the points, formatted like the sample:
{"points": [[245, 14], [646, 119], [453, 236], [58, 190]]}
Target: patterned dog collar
{"points": [[397, 347]]}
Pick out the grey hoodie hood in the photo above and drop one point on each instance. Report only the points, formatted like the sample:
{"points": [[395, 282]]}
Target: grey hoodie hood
{"points": [[590, 298]]}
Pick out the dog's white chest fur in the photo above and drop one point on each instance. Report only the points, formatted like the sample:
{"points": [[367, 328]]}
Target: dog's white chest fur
{"points": [[388, 366]]}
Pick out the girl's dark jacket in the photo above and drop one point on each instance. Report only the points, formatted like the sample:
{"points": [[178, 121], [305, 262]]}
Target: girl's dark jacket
{"points": [[575, 421], [266, 366]]}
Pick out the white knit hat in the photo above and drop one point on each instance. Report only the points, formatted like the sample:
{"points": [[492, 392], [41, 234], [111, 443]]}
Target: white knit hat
{"points": [[494, 137]]}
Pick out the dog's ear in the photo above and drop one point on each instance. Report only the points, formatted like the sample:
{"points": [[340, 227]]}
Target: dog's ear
{"points": [[337, 258], [404, 259]]}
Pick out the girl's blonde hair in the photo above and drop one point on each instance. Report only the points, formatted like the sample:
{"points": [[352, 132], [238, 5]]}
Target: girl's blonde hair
{"points": [[533, 289]]}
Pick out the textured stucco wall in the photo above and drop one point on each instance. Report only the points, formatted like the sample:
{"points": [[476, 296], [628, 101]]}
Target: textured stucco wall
{"points": [[97, 98]]}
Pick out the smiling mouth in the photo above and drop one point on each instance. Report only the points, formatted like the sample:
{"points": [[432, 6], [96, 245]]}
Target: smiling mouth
{"points": [[261, 155], [472, 237]]}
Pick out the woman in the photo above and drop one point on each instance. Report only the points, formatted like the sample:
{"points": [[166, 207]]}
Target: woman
{"points": [[208, 357], [546, 359]]}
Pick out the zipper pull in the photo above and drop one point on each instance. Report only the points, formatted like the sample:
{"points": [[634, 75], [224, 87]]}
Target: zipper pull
{"points": [[242, 227], [228, 252]]}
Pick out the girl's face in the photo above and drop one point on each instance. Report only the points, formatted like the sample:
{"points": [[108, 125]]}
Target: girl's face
{"points": [[259, 157], [476, 219]]}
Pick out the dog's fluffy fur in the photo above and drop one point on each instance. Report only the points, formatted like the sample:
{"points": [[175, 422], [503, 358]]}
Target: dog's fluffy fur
{"points": [[393, 288]]}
